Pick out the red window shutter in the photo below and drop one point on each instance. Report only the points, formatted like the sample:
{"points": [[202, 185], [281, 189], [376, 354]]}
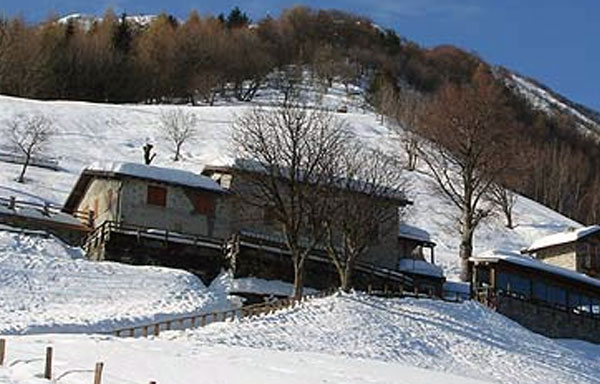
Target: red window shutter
{"points": [[204, 204], [157, 196]]}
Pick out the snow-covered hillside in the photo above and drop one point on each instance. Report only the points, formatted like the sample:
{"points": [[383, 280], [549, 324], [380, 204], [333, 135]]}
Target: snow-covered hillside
{"points": [[46, 286], [544, 99], [348, 339], [95, 132]]}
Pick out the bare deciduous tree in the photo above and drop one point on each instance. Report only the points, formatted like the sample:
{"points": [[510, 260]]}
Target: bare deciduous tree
{"points": [[178, 126], [505, 200], [462, 122], [29, 135], [292, 146], [364, 197]]}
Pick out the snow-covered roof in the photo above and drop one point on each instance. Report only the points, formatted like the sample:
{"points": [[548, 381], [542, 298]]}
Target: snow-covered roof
{"points": [[150, 172], [413, 233], [360, 186], [420, 267], [562, 238], [529, 262], [140, 171]]}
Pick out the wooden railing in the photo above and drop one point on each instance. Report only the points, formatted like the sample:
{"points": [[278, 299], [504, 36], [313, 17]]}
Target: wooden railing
{"points": [[491, 298], [47, 209], [200, 320], [102, 233]]}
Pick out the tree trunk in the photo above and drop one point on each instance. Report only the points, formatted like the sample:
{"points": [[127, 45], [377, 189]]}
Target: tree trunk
{"points": [[177, 150], [21, 178], [509, 222], [465, 252], [346, 277], [298, 275]]}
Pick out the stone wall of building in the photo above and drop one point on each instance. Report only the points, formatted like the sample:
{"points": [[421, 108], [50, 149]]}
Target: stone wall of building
{"points": [[179, 215], [550, 322], [560, 255], [241, 215]]}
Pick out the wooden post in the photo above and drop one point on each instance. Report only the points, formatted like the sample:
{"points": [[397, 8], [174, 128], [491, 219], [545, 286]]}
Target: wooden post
{"points": [[48, 367], [132, 332], [203, 320], [181, 323], [145, 331], [98, 373], [2, 351], [193, 320], [215, 317], [168, 325], [156, 329], [12, 204]]}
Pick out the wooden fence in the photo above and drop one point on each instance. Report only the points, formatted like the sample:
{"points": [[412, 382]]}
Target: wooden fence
{"points": [[200, 320], [46, 209], [48, 372]]}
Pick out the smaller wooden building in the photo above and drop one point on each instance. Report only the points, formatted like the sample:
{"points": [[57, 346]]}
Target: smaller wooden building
{"points": [[417, 259], [576, 249], [149, 215], [545, 298], [147, 196]]}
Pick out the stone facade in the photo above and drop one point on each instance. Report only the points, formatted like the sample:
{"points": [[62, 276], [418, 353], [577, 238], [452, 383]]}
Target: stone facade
{"points": [[561, 255], [582, 255], [124, 200], [240, 215]]}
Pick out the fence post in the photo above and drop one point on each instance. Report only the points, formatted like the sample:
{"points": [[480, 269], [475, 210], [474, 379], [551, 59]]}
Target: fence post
{"points": [[156, 329], [2, 351], [98, 373], [12, 204], [48, 367], [145, 331]]}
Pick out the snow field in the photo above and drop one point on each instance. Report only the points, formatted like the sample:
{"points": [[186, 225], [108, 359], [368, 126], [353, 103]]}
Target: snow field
{"points": [[461, 339], [46, 286], [164, 361], [345, 339]]}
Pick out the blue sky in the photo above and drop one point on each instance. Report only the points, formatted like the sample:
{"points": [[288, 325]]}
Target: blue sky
{"points": [[556, 42]]}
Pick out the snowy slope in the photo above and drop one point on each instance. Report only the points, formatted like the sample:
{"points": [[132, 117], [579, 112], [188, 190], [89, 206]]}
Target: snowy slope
{"points": [[545, 100], [46, 286], [90, 132], [177, 362], [348, 339], [462, 339]]}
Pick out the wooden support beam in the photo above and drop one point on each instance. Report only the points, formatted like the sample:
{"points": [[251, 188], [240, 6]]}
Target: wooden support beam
{"points": [[2, 351], [48, 365], [98, 373]]}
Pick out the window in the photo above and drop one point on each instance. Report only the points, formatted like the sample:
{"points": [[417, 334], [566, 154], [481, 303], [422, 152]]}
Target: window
{"points": [[515, 284], [557, 296], [540, 291], [269, 215], [157, 196], [204, 204]]}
